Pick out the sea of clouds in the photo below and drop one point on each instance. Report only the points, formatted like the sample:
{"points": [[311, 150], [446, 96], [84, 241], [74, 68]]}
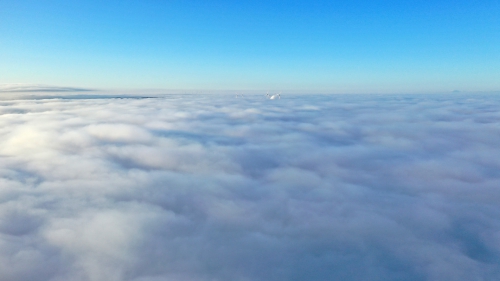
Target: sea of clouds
{"points": [[195, 188]]}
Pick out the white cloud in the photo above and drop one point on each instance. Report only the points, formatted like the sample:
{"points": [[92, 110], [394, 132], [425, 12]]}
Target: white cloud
{"points": [[213, 188]]}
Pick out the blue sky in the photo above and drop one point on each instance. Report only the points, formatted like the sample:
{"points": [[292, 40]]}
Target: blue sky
{"points": [[321, 46]]}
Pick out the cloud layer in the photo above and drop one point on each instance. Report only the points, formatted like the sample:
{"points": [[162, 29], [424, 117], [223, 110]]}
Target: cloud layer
{"points": [[218, 188]]}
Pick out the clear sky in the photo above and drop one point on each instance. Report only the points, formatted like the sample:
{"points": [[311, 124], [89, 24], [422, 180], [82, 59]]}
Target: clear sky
{"points": [[311, 46]]}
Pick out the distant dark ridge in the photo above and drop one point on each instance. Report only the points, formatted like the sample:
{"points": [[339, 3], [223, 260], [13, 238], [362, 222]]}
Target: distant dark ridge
{"points": [[73, 97], [43, 89]]}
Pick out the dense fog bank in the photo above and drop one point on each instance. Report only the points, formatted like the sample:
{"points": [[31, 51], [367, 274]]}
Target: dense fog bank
{"points": [[360, 187]]}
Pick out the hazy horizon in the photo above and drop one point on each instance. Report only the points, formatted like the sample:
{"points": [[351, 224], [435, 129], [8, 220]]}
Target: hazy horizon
{"points": [[14, 89]]}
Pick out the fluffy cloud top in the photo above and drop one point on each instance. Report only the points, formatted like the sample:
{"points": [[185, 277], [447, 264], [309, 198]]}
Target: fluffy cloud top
{"points": [[218, 188]]}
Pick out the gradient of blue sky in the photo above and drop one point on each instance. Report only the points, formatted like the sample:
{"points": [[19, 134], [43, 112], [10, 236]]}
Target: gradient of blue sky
{"points": [[317, 46]]}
